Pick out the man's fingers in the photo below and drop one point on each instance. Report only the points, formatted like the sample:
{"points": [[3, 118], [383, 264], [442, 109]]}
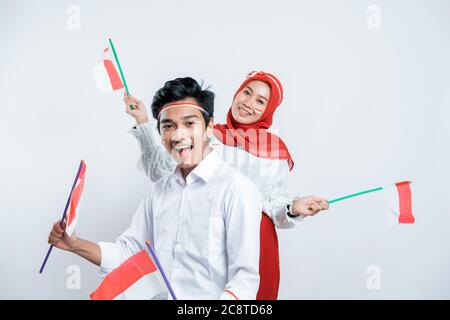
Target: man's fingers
{"points": [[53, 240], [54, 233], [57, 227]]}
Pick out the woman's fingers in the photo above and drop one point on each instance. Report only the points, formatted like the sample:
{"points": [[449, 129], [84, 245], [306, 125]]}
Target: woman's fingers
{"points": [[322, 203], [129, 101]]}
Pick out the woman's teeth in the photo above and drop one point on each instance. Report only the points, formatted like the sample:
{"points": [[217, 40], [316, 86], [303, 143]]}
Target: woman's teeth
{"points": [[242, 110]]}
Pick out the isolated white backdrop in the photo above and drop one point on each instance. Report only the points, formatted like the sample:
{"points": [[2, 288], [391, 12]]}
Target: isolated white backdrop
{"points": [[366, 103]]}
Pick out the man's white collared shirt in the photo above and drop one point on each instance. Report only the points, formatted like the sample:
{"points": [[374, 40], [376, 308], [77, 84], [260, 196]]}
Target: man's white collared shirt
{"points": [[205, 232]]}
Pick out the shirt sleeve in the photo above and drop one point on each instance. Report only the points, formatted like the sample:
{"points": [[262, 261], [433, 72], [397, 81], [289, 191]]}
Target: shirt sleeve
{"points": [[243, 219], [155, 161], [276, 201], [131, 241]]}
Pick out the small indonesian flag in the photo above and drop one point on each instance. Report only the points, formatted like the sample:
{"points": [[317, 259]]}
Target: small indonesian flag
{"points": [[106, 75], [75, 197], [135, 279], [398, 197]]}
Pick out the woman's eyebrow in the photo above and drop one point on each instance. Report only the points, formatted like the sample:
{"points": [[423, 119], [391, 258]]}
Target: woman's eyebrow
{"points": [[262, 97], [258, 94]]}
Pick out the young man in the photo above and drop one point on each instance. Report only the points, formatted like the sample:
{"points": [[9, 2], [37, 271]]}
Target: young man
{"points": [[203, 219]]}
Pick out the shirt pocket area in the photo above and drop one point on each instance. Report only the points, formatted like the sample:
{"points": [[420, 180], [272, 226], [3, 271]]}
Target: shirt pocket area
{"points": [[207, 236]]}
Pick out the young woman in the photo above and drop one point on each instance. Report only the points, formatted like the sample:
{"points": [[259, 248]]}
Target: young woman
{"points": [[245, 143]]}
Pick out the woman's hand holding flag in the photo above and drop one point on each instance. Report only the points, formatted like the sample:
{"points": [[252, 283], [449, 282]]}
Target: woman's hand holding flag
{"points": [[138, 112]]}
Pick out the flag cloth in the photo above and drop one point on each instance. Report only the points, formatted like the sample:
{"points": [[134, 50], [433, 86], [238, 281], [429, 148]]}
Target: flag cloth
{"points": [[106, 75], [74, 202], [399, 201], [135, 279]]}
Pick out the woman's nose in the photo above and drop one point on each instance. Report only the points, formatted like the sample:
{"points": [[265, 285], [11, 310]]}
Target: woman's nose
{"points": [[248, 102]]}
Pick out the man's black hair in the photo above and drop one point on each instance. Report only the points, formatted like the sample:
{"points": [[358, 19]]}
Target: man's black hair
{"points": [[182, 88]]}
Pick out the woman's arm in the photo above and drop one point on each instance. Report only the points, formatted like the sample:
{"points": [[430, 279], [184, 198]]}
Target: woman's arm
{"points": [[285, 211], [155, 161]]}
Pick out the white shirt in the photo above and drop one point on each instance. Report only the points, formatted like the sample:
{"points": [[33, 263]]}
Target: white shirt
{"points": [[269, 175], [205, 231]]}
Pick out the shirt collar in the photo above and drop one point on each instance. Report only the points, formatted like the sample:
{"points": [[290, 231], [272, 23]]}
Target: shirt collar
{"points": [[203, 170]]}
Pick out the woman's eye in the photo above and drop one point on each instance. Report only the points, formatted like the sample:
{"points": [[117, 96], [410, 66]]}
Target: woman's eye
{"points": [[260, 102], [246, 92]]}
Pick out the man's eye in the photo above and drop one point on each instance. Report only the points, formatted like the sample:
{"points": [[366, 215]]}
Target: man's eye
{"points": [[167, 126], [189, 124]]}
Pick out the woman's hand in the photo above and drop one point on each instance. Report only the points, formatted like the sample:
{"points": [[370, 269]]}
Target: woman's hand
{"points": [[139, 113], [309, 206]]}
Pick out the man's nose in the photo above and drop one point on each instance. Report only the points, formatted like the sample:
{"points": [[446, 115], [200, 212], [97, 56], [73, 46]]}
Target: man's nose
{"points": [[178, 135]]}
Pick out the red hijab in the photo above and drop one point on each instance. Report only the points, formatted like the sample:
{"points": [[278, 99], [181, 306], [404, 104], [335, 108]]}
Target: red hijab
{"points": [[254, 137]]}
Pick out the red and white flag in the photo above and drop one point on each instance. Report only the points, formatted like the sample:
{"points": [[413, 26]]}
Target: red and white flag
{"points": [[399, 201], [106, 75], [135, 279], [74, 202]]}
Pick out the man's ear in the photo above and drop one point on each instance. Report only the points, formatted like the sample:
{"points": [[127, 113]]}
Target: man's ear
{"points": [[210, 127], [157, 127]]}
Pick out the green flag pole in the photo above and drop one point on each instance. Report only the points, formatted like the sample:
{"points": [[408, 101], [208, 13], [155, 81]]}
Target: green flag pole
{"points": [[120, 69], [364, 192], [355, 194]]}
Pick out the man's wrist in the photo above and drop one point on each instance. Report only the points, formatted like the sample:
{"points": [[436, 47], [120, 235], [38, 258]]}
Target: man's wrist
{"points": [[75, 246]]}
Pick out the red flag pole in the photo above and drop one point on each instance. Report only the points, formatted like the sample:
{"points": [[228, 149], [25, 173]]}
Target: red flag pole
{"points": [[64, 214]]}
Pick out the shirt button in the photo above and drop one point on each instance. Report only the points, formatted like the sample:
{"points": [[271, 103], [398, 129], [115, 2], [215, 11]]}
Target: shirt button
{"points": [[178, 248]]}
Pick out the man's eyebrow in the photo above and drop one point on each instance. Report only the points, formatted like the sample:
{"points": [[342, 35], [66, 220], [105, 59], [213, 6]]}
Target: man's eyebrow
{"points": [[166, 121], [189, 117]]}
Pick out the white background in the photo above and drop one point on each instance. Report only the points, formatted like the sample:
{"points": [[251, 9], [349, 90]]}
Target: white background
{"points": [[363, 107]]}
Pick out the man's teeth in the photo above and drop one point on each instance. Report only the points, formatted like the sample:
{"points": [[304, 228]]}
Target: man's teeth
{"points": [[182, 147]]}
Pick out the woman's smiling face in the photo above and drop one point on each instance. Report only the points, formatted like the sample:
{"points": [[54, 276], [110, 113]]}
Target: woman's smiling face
{"points": [[250, 103]]}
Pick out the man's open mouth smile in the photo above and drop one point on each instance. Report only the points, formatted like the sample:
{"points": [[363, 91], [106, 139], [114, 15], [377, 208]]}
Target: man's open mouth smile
{"points": [[183, 149]]}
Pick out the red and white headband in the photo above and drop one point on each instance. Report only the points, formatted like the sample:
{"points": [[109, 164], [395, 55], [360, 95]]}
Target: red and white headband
{"points": [[182, 104]]}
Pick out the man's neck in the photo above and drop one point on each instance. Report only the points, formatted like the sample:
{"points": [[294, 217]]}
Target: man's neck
{"points": [[185, 171]]}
